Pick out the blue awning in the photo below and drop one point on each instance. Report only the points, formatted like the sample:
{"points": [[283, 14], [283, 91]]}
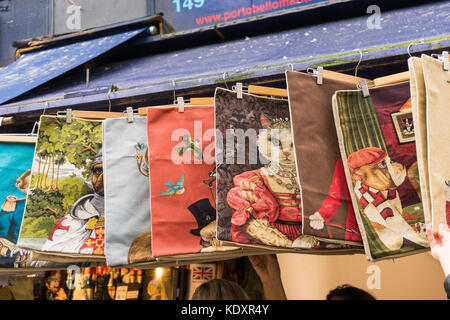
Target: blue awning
{"points": [[149, 78], [36, 68]]}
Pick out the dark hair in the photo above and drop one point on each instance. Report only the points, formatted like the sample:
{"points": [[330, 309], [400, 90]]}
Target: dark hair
{"points": [[348, 292], [219, 289]]}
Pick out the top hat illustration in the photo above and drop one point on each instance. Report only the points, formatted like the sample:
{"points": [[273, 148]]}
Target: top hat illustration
{"points": [[204, 213]]}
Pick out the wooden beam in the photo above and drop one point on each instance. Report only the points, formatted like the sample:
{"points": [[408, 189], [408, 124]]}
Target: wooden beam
{"points": [[267, 91], [17, 138], [97, 114], [391, 79]]}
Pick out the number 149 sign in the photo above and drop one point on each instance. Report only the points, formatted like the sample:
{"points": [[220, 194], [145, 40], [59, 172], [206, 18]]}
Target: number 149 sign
{"points": [[187, 4]]}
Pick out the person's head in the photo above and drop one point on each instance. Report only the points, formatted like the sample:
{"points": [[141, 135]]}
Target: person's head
{"points": [[97, 173], [219, 289], [52, 284], [154, 290], [348, 292]]}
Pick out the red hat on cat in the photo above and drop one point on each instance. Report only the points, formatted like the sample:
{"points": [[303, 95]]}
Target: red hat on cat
{"points": [[366, 156]]}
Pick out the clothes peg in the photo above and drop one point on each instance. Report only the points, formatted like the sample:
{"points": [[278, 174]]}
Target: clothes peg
{"points": [[130, 114], [239, 90], [364, 87], [445, 60], [68, 115], [180, 104], [319, 75]]}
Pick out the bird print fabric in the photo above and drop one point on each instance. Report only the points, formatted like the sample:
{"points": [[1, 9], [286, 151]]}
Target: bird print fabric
{"points": [[181, 159], [177, 188]]}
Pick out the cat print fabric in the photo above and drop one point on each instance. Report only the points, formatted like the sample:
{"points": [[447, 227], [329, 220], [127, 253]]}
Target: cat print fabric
{"points": [[127, 192], [379, 152], [182, 181], [64, 212], [258, 196], [437, 82], [326, 203]]}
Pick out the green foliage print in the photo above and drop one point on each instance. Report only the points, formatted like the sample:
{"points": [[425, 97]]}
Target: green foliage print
{"points": [[72, 189], [48, 207], [59, 144], [38, 227]]}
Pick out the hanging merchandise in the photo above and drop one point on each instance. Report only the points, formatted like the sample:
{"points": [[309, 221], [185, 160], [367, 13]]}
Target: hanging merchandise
{"points": [[16, 154], [326, 202], [437, 79], [64, 213], [258, 200], [127, 190], [418, 105], [182, 167], [258, 195], [376, 138]]}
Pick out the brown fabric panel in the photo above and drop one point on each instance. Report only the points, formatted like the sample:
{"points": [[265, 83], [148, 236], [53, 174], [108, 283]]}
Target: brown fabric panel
{"points": [[316, 144]]}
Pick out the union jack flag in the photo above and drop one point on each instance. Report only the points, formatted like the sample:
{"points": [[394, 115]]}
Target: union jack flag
{"points": [[202, 272]]}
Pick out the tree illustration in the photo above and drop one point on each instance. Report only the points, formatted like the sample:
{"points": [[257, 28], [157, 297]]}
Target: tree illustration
{"points": [[72, 189], [42, 203], [82, 142], [60, 142], [50, 197]]}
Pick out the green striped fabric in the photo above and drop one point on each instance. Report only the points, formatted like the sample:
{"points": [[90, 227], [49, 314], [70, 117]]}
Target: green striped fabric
{"points": [[359, 122]]}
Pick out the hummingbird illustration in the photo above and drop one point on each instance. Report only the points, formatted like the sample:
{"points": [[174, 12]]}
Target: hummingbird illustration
{"points": [[142, 158], [189, 144], [177, 188]]}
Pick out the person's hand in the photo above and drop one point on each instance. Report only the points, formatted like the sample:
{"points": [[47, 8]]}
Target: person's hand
{"points": [[248, 193], [316, 221], [268, 270], [266, 266], [440, 246]]}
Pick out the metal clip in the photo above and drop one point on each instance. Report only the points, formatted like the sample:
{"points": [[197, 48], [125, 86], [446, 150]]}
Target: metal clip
{"points": [[87, 76], [362, 85], [68, 115], [320, 75], [36, 125], [239, 90], [130, 114], [180, 104], [224, 80], [445, 60], [317, 73]]}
